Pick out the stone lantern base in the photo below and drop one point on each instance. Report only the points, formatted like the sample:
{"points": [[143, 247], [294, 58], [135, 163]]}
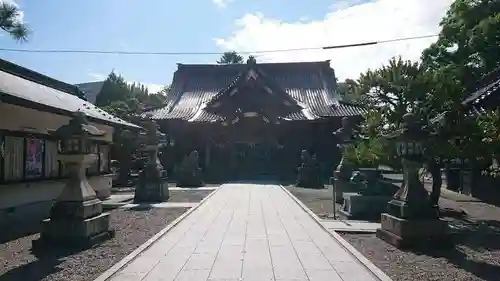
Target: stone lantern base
{"points": [[147, 191], [76, 218], [405, 233], [152, 185], [411, 220]]}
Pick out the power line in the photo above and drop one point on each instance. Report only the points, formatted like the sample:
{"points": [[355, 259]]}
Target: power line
{"points": [[380, 42], [214, 53]]}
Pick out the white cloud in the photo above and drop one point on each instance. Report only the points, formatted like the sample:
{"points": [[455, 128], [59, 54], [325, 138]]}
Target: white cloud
{"points": [[222, 3], [154, 88], [20, 17], [349, 22], [97, 76]]}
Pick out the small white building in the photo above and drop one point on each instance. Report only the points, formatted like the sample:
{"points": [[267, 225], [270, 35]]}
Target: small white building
{"points": [[31, 106]]}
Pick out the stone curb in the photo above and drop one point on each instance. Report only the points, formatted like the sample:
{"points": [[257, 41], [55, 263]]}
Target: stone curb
{"points": [[130, 257], [362, 259]]}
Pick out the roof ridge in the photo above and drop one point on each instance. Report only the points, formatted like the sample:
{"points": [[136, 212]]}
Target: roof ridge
{"points": [[189, 65], [176, 96], [93, 82], [39, 78]]}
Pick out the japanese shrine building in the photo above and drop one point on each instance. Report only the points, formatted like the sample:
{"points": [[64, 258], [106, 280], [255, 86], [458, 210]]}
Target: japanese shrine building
{"points": [[249, 120]]}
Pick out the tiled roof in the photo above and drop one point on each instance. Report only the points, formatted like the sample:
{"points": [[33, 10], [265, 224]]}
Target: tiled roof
{"points": [[489, 85], [346, 109], [310, 84], [91, 90], [21, 85]]}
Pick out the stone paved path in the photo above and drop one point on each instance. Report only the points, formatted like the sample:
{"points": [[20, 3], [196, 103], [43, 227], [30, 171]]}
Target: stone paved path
{"points": [[246, 232]]}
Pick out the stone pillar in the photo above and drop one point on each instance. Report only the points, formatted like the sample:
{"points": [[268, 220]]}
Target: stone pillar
{"points": [[342, 176], [152, 185]]}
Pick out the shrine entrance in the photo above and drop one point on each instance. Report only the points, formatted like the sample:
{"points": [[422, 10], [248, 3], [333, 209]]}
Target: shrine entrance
{"points": [[248, 150], [254, 161]]}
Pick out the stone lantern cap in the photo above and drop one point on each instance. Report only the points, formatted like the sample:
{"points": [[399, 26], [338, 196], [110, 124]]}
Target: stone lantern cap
{"points": [[409, 137], [411, 129], [78, 127], [75, 136], [152, 135]]}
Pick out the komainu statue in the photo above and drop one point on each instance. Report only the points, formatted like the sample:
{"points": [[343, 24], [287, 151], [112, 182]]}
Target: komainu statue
{"points": [[190, 172], [309, 172]]}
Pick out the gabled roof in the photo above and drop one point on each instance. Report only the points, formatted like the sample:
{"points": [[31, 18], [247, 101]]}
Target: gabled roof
{"points": [[24, 87], [312, 85], [274, 100], [488, 92], [91, 90]]}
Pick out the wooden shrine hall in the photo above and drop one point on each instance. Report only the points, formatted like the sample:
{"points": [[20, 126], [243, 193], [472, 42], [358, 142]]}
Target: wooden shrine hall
{"points": [[251, 121]]}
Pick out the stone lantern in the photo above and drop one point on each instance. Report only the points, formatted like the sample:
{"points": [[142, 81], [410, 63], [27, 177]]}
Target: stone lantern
{"points": [[344, 136], [152, 185], [410, 218], [77, 214]]}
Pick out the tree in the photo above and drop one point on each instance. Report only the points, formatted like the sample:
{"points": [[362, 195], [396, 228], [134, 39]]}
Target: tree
{"points": [[394, 89], [115, 89], [126, 101], [10, 23], [469, 41], [347, 89], [230, 58], [468, 47]]}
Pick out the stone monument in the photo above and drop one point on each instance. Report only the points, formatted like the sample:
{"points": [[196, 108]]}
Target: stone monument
{"points": [[411, 219], [344, 136], [371, 198], [190, 171], [152, 185], [76, 217], [309, 173]]}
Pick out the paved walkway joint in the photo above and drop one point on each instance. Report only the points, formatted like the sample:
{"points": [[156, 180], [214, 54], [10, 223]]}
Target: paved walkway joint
{"points": [[246, 232]]}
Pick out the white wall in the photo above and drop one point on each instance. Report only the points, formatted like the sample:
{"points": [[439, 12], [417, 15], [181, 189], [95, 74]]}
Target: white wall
{"points": [[16, 118], [23, 199]]}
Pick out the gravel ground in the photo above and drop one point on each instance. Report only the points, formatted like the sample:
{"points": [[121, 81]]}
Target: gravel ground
{"points": [[476, 255], [188, 195], [318, 200], [133, 228], [120, 189]]}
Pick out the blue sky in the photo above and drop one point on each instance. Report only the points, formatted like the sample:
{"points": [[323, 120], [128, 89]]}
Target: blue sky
{"points": [[194, 26], [160, 25]]}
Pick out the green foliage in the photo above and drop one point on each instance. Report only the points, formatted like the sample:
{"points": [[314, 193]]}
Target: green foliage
{"points": [[373, 150], [468, 42], [488, 123], [468, 47], [347, 89], [365, 154], [394, 89], [126, 100], [230, 58], [10, 23]]}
